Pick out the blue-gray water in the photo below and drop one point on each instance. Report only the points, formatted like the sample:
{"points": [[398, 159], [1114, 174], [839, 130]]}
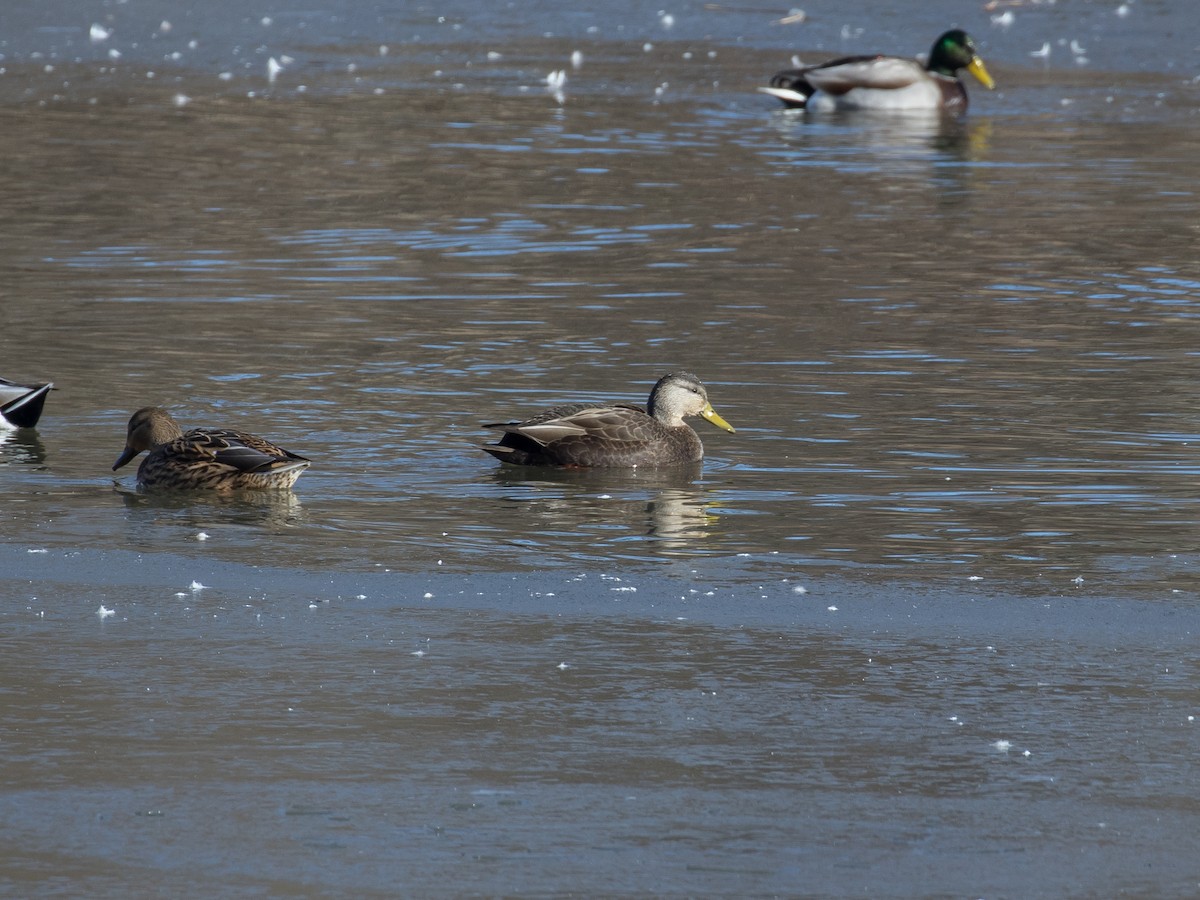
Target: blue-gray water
{"points": [[924, 626]]}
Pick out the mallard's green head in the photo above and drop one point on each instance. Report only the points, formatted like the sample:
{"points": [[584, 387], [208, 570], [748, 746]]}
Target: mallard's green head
{"points": [[955, 50]]}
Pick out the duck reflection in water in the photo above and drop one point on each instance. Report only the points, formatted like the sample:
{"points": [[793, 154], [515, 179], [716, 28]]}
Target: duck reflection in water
{"points": [[21, 446], [664, 506], [210, 513]]}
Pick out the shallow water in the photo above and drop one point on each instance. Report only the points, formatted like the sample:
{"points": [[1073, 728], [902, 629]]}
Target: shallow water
{"points": [[958, 510]]}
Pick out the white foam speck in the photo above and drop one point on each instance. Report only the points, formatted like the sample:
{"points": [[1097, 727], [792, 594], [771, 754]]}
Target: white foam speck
{"points": [[98, 33], [576, 59], [197, 586], [832, 608], [799, 589], [562, 665], [1002, 746], [274, 67], [428, 596], [104, 612], [184, 100], [42, 550]]}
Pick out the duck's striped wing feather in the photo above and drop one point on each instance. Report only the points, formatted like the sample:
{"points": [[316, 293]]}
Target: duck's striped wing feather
{"points": [[883, 73]]}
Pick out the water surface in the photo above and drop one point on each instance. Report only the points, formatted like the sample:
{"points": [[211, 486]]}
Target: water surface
{"points": [[924, 625]]}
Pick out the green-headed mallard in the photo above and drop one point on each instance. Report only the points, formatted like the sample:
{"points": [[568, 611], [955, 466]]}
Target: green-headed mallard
{"points": [[617, 435], [886, 82], [21, 404], [205, 459]]}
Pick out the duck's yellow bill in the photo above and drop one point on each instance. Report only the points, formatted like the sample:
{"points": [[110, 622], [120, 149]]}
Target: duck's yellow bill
{"points": [[711, 414], [979, 70]]}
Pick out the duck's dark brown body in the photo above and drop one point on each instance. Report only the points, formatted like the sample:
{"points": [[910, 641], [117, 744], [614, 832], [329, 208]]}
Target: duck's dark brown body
{"points": [[618, 435]]}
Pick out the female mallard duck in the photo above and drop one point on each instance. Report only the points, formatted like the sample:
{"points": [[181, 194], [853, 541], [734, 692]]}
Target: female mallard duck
{"points": [[21, 404], [615, 435], [886, 82], [205, 458]]}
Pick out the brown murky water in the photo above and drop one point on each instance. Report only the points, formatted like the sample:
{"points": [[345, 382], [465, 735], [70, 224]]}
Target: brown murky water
{"points": [[924, 626]]}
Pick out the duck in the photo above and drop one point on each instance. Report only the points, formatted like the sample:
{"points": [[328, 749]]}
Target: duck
{"points": [[886, 82], [616, 435], [216, 459], [21, 404]]}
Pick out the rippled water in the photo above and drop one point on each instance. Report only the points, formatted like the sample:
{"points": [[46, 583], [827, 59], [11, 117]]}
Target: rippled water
{"points": [[927, 613]]}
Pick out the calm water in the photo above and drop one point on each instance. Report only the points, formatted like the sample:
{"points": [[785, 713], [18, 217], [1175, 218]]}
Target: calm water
{"points": [[924, 626]]}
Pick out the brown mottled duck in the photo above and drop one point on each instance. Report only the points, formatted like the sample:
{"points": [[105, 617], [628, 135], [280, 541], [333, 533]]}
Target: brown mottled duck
{"points": [[618, 435], [205, 459]]}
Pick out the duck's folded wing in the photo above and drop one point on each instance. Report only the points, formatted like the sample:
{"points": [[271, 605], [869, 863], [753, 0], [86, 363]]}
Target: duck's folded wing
{"points": [[874, 72], [22, 405], [239, 451], [613, 423]]}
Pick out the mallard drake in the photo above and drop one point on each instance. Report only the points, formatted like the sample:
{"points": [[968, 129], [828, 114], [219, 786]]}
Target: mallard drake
{"points": [[215, 459], [886, 82], [21, 404], [617, 435]]}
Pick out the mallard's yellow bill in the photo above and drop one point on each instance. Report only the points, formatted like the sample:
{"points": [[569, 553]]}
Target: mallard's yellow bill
{"points": [[711, 414], [979, 70]]}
